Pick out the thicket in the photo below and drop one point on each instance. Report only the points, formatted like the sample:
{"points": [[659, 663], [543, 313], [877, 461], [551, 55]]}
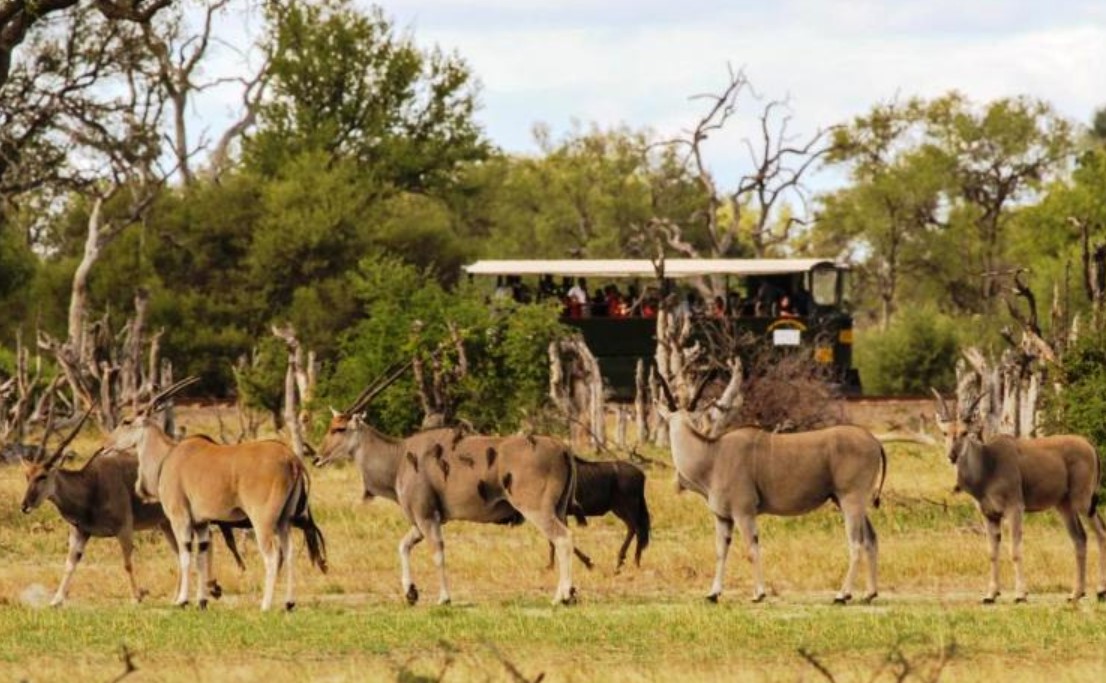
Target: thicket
{"points": [[918, 351], [1081, 407]]}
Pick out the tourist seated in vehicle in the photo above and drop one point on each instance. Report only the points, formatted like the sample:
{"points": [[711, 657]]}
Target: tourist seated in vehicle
{"points": [[598, 305], [616, 306], [576, 299], [767, 300], [786, 307], [718, 307]]}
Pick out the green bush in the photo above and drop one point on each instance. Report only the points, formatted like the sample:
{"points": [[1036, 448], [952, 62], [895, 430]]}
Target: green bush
{"points": [[407, 312], [918, 351], [1079, 408]]}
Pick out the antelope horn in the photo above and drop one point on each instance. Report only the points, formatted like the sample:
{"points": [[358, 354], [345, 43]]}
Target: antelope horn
{"points": [[942, 407], [167, 393], [67, 440], [700, 386], [49, 427], [968, 415], [376, 388], [368, 390], [667, 391]]}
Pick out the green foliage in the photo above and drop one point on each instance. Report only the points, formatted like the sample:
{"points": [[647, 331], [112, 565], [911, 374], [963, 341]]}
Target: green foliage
{"points": [[917, 352], [408, 313], [260, 381], [346, 85], [1080, 407]]}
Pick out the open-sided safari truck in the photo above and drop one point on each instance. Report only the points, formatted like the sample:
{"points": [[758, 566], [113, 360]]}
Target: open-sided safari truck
{"points": [[793, 303]]}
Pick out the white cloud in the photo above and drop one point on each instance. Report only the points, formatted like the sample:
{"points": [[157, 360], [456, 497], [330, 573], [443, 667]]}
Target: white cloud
{"points": [[637, 62]]}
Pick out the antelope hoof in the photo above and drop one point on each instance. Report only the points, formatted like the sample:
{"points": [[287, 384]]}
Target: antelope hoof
{"points": [[989, 599], [289, 606], [445, 601], [843, 599], [203, 604], [713, 598], [869, 598], [412, 594], [1075, 597], [1021, 599], [140, 595], [183, 604], [1101, 595], [57, 602], [569, 599], [759, 597], [215, 589]]}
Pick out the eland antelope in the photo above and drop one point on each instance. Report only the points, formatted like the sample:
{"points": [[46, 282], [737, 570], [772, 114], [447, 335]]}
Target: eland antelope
{"points": [[1009, 476], [98, 500], [199, 482], [441, 475], [749, 472]]}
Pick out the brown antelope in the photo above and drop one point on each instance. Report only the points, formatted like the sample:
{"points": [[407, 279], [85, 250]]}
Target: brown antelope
{"points": [[749, 472], [441, 475], [97, 501], [199, 482], [1009, 476]]}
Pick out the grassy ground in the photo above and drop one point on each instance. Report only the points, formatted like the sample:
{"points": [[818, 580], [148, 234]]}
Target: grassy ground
{"points": [[641, 625]]}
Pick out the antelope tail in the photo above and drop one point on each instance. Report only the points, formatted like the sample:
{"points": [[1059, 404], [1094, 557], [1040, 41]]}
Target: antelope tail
{"points": [[1095, 500], [882, 476], [302, 519], [312, 534], [569, 493]]}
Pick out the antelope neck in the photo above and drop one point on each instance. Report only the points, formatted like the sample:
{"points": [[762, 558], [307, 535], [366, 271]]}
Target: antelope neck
{"points": [[378, 457], [689, 454], [154, 444]]}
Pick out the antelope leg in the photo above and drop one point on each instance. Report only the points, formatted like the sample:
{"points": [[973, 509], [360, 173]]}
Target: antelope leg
{"points": [[77, 541], [410, 540], [126, 544], [871, 546], [723, 535], [1016, 553], [1099, 529], [1079, 540], [284, 536], [434, 533], [203, 564], [183, 535], [270, 552], [630, 531], [854, 536], [994, 541]]}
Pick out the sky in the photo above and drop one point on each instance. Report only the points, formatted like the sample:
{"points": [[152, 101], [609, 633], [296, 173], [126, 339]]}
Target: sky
{"points": [[566, 63]]}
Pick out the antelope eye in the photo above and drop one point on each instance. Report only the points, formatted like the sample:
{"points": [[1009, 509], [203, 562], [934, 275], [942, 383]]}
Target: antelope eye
{"points": [[338, 430]]}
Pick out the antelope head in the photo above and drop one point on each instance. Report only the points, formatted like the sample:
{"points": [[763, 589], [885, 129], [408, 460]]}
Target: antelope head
{"points": [[343, 433], [41, 469], [962, 429], [133, 433]]}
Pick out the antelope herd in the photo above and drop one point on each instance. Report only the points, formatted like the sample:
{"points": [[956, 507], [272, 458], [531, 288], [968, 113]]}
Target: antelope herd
{"points": [[143, 479]]}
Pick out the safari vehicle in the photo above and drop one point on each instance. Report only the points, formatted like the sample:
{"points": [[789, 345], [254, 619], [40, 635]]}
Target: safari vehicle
{"points": [[797, 303]]}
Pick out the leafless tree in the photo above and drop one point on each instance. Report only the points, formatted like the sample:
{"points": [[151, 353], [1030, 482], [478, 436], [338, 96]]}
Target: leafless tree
{"points": [[760, 204]]}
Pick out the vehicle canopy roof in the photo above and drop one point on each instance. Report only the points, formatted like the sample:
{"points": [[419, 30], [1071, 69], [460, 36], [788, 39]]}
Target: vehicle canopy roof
{"points": [[644, 268]]}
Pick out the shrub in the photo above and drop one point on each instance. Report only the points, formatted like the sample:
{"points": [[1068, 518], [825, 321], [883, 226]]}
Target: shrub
{"points": [[1080, 408], [917, 352]]}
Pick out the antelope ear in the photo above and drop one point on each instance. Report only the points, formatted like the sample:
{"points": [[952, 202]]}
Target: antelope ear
{"points": [[333, 412], [665, 413]]}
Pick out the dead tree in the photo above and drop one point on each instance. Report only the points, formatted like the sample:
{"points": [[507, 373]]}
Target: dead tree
{"points": [[437, 375], [576, 388], [773, 181], [299, 388]]}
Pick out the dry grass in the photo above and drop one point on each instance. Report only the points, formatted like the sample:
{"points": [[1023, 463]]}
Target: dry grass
{"points": [[645, 624]]}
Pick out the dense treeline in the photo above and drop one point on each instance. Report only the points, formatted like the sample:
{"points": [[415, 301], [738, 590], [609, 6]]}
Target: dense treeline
{"points": [[359, 180]]}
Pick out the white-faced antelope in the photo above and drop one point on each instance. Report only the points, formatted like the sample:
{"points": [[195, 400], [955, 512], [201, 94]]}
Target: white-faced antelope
{"points": [[97, 500], [1009, 476], [749, 472], [441, 475], [199, 482]]}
